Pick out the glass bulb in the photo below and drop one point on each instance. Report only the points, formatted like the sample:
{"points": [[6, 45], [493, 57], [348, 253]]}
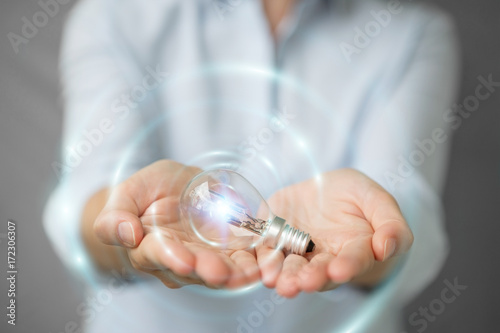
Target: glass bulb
{"points": [[221, 208]]}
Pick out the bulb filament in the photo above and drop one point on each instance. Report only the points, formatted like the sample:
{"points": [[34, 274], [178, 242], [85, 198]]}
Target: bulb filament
{"points": [[230, 209]]}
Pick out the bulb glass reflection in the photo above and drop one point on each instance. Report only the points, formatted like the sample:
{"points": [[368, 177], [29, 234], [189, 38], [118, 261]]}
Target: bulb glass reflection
{"points": [[221, 208]]}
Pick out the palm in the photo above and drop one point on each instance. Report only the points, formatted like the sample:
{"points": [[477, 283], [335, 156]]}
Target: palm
{"points": [[328, 214], [167, 249], [349, 217], [163, 217]]}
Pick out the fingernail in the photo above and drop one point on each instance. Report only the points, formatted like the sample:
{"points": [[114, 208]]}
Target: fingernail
{"points": [[389, 248], [126, 234]]}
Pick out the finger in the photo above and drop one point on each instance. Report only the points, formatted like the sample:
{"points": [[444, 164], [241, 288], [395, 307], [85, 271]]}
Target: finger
{"points": [[270, 262], [236, 276], [313, 276], [174, 281], [161, 179], [168, 279], [392, 235], [354, 259], [118, 223], [210, 266], [159, 252], [391, 239], [247, 263], [167, 208], [119, 228], [288, 284]]}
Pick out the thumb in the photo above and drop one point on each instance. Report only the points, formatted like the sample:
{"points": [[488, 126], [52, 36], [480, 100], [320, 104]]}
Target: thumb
{"points": [[392, 235], [391, 239], [119, 223]]}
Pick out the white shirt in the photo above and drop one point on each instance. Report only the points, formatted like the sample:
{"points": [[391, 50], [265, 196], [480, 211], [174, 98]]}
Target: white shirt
{"points": [[361, 84]]}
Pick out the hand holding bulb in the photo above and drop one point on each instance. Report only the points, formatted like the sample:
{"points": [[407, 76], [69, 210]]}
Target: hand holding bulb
{"points": [[147, 205], [357, 227], [352, 220]]}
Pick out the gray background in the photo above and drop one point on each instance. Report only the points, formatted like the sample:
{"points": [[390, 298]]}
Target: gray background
{"points": [[30, 124]]}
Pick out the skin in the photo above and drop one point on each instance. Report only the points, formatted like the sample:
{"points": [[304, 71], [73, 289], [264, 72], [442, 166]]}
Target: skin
{"points": [[356, 225], [276, 11], [357, 228], [146, 205], [350, 217]]}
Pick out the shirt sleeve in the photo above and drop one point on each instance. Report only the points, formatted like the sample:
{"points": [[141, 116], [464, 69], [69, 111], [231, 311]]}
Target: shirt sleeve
{"points": [[108, 99], [403, 140]]}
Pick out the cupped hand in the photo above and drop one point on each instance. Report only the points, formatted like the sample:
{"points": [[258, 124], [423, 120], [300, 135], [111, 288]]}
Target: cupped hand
{"points": [[142, 215], [354, 222]]}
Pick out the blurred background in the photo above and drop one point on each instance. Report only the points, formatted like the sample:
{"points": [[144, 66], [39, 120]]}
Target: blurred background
{"points": [[30, 128]]}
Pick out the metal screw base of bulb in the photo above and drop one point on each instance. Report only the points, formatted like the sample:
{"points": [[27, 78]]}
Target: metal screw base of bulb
{"points": [[281, 235]]}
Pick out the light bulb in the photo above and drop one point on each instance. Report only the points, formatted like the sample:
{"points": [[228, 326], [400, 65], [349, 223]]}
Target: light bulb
{"points": [[221, 208]]}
